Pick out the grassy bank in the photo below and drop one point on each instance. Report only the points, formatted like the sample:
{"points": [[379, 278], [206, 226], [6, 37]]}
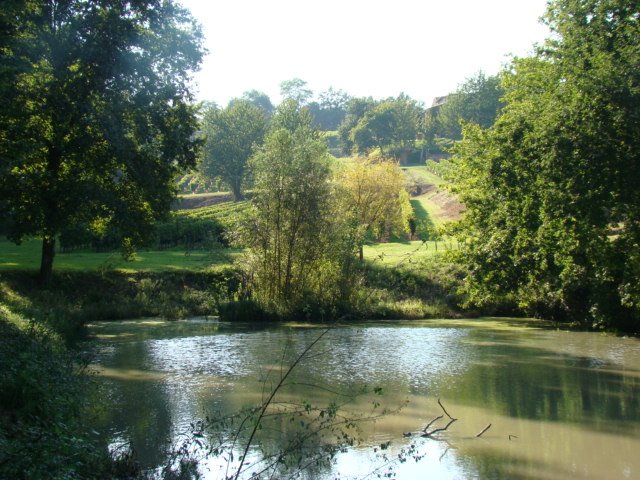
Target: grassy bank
{"points": [[399, 281], [75, 297]]}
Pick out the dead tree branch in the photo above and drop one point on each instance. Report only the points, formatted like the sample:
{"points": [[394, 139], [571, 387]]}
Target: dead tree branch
{"points": [[427, 433]]}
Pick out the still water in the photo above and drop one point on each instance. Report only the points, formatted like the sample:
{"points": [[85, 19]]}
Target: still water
{"points": [[560, 404]]}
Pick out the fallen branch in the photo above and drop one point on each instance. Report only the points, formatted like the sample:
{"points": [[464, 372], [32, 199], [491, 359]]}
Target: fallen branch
{"points": [[426, 433], [432, 422], [483, 430], [442, 429]]}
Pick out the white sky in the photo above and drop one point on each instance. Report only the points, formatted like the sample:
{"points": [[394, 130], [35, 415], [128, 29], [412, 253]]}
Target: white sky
{"points": [[424, 48]]}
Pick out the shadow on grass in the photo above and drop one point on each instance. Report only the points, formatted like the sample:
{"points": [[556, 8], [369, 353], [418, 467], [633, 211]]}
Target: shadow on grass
{"points": [[424, 225]]}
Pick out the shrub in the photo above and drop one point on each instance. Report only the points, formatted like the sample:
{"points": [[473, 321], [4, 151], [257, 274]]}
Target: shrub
{"points": [[41, 405]]}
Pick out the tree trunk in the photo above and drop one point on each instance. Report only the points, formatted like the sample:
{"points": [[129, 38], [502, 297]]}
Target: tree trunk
{"points": [[46, 261], [361, 253], [236, 191]]}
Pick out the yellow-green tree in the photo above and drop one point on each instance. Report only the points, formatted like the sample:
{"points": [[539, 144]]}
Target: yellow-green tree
{"points": [[372, 192]]}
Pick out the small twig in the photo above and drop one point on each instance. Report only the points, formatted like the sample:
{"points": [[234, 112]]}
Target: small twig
{"points": [[443, 454], [483, 430], [269, 400], [512, 436]]}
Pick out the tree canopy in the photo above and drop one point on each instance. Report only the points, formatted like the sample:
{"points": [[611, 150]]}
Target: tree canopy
{"points": [[259, 99], [97, 117], [552, 189], [330, 109], [232, 134], [390, 126], [296, 89], [477, 101]]}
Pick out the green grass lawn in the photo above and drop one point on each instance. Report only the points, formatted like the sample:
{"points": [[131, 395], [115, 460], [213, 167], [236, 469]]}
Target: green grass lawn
{"points": [[420, 174], [394, 253], [27, 257], [427, 211]]}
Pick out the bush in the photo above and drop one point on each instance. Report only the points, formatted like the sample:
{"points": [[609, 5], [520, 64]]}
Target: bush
{"points": [[41, 406]]}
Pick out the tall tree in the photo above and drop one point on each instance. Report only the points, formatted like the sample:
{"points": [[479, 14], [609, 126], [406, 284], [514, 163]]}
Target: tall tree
{"points": [[356, 108], [477, 101], [296, 89], [552, 189], [97, 117], [232, 135], [259, 99], [330, 109], [290, 236], [390, 126]]}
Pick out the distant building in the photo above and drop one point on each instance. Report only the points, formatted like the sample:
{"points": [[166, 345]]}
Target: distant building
{"points": [[439, 101]]}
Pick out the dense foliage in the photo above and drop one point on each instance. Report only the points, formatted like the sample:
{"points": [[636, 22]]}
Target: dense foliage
{"points": [[97, 117], [552, 190], [476, 100], [372, 198], [42, 401], [390, 126], [191, 231]]}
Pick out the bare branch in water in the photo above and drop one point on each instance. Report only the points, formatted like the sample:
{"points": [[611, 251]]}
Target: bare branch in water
{"points": [[483, 430]]}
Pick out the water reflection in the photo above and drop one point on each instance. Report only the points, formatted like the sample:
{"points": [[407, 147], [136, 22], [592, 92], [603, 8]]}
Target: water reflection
{"points": [[561, 404]]}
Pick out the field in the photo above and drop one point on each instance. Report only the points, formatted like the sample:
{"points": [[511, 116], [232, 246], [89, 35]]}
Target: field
{"points": [[420, 175], [27, 257], [432, 209], [393, 254], [433, 205]]}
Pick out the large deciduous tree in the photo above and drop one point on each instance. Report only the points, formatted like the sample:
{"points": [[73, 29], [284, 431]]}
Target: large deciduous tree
{"points": [[96, 118], [259, 99], [552, 190], [356, 108], [296, 89], [330, 109], [477, 101], [390, 126], [232, 134]]}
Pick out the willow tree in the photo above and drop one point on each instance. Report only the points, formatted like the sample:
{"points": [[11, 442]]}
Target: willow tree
{"points": [[552, 189], [97, 117], [294, 243]]}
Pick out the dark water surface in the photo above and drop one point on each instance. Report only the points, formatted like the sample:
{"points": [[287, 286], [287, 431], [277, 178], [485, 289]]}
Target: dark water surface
{"points": [[560, 404]]}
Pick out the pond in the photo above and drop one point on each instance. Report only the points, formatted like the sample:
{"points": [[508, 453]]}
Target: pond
{"points": [[560, 404]]}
